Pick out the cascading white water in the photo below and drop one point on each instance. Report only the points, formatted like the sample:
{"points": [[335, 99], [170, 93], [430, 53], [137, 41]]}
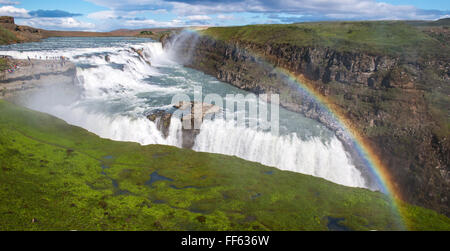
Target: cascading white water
{"points": [[313, 156], [119, 127], [116, 95], [102, 85]]}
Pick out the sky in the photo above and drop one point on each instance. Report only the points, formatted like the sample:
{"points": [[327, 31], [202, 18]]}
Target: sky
{"points": [[107, 15]]}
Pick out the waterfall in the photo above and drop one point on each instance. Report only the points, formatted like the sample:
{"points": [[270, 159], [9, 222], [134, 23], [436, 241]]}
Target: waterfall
{"points": [[117, 93], [313, 156]]}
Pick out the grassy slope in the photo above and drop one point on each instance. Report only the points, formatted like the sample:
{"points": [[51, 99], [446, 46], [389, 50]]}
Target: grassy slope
{"points": [[7, 37], [393, 38], [52, 172], [4, 64]]}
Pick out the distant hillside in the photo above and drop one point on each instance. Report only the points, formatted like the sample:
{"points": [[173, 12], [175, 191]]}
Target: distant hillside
{"points": [[156, 33], [11, 33], [440, 22]]}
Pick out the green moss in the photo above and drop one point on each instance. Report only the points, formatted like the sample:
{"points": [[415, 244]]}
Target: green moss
{"points": [[54, 176]]}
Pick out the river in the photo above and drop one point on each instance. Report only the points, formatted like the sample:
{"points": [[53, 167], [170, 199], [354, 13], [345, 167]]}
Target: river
{"points": [[118, 88]]}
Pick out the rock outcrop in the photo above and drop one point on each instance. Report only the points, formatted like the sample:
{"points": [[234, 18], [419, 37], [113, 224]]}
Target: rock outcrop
{"points": [[140, 54], [385, 98], [192, 116], [12, 33], [29, 75], [6, 20]]}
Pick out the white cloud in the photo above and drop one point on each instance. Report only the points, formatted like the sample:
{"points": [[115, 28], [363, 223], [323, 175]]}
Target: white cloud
{"points": [[107, 14], [135, 24], [159, 11], [68, 23], [332, 9], [114, 14], [225, 17], [336, 9], [14, 12], [198, 17], [113, 19], [132, 5], [23, 17], [7, 2]]}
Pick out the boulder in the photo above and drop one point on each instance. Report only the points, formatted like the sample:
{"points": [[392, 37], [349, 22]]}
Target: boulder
{"points": [[193, 112], [140, 53], [162, 119]]}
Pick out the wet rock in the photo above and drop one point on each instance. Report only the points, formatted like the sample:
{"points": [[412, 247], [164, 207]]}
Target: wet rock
{"points": [[162, 120], [140, 53], [193, 115]]}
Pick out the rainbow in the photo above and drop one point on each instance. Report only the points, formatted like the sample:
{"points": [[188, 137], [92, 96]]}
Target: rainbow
{"points": [[359, 143]]}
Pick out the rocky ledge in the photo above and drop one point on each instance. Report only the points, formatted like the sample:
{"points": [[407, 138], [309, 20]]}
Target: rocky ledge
{"points": [[22, 76], [192, 115]]}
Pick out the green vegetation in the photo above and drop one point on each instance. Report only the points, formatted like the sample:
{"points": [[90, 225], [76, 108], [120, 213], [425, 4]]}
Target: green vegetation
{"points": [[395, 38], [146, 33], [440, 22], [7, 37], [156, 35], [54, 176], [4, 64]]}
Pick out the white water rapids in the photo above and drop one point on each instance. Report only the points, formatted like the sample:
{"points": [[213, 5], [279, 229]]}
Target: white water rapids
{"points": [[116, 95]]}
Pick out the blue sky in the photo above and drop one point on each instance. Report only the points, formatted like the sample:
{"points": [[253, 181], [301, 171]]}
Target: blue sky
{"points": [[105, 15]]}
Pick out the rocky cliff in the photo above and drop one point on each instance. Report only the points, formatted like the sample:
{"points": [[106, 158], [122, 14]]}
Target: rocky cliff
{"points": [[23, 76], [12, 33], [395, 102]]}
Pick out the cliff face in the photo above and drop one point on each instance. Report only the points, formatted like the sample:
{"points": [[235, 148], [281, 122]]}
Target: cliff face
{"points": [[12, 33], [35, 74], [387, 99]]}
